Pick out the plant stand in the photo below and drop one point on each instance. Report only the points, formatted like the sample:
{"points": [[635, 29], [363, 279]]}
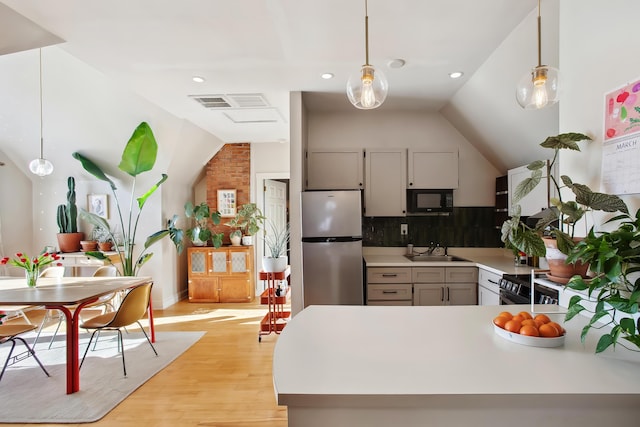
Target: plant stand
{"points": [[276, 318]]}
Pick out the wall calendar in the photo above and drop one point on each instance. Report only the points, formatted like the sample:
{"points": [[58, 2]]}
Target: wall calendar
{"points": [[621, 141]]}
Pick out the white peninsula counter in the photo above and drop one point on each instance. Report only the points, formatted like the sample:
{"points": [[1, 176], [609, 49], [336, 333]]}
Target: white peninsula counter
{"points": [[444, 366]]}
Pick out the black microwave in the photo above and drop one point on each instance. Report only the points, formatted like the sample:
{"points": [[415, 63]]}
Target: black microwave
{"points": [[421, 202]]}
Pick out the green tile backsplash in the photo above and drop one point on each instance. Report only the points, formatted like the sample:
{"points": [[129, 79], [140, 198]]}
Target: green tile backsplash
{"points": [[464, 227]]}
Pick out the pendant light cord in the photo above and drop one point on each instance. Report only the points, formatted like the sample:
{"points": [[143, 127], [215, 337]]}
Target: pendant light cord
{"points": [[41, 139], [539, 37], [366, 32]]}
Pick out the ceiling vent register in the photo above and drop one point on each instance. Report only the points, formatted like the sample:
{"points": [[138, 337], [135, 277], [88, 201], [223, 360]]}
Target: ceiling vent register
{"points": [[231, 101]]}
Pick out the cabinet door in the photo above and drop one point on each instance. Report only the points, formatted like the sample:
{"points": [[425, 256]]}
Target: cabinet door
{"points": [[429, 294], [489, 280], [461, 275], [334, 169], [487, 297], [385, 182], [433, 169], [238, 261], [428, 275], [388, 275], [203, 289], [198, 262], [235, 289], [381, 291], [461, 294]]}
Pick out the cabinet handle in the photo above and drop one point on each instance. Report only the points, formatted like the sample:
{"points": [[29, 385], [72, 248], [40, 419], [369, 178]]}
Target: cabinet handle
{"points": [[441, 294], [389, 292], [492, 281], [447, 293], [389, 275]]}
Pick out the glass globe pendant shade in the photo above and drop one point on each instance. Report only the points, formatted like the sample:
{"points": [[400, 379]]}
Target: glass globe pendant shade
{"points": [[538, 88], [367, 89], [41, 167]]}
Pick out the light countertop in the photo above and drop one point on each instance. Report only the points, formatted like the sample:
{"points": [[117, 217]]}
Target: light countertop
{"points": [[495, 262], [429, 351]]}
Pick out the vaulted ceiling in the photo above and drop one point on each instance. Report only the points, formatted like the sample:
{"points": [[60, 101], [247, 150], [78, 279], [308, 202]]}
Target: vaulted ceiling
{"points": [[252, 53]]}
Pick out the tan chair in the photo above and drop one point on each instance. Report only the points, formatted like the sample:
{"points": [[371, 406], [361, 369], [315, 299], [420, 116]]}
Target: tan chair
{"points": [[9, 333], [105, 301], [133, 308]]}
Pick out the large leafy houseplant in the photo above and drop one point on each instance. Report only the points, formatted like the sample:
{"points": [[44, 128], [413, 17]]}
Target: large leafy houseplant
{"points": [[516, 234], [139, 156], [247, 220], [614, 290], [201, 214]]}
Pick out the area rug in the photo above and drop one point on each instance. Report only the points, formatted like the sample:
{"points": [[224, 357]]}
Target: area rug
{"points": [[28, 396]]}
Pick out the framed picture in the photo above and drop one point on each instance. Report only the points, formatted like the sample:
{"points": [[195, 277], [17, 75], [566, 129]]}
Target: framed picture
{"points": [[98, 204], [227, 203]]}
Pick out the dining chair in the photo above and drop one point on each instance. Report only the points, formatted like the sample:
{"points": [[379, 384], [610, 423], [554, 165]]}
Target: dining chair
{"points": [[9, 333], [55, 272], [133, 307], [105, 301]]}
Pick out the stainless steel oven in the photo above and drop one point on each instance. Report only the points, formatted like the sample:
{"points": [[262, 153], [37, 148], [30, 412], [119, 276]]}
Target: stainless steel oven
{"points": [[516, 289]]}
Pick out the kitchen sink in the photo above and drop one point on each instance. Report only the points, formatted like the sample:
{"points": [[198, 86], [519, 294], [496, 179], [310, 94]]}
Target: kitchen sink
{"points": [[436, 258]]}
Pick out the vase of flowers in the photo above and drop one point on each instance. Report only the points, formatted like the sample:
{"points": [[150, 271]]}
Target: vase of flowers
{"points": [[32, 266]]}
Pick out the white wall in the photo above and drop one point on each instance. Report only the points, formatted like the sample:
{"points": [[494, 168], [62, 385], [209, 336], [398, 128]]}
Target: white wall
{"points": [[407, 129], [86, 112], [298, 140], [599, 54]]}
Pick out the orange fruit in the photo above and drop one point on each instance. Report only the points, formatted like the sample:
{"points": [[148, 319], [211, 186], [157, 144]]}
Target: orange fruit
{"points": [[529, 322], [513, 326], [525, 315], [548, 330], [505, 314], [558, 327], [518, 317], [500, 321], [530, 331], [539, 322], [542, 317]]}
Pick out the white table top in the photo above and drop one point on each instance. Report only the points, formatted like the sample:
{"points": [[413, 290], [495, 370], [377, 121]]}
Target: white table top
{"points": [[426, 351]]}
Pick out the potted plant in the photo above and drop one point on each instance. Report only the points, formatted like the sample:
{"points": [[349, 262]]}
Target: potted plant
{"points": [[545, 238], [139, 156], [200, 234], [247, 222], [67, 217], [104, 240], [614, 290], [276, 242]]}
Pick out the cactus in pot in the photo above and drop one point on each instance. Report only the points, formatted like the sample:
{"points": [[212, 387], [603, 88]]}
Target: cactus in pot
{"points": [[67, 218]]}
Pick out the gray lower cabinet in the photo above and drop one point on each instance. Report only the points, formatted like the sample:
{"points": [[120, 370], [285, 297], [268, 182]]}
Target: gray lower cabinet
{"points": [[422, 285], [389, 286], [445, 285]]}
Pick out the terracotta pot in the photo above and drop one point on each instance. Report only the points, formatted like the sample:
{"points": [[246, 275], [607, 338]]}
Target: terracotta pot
{"points": [[105, 246], [89, 245], [556, 260], [69, 242]]}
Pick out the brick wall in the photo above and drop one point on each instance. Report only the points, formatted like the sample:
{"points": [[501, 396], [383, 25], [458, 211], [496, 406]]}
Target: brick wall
{"points": [[229, 169]]}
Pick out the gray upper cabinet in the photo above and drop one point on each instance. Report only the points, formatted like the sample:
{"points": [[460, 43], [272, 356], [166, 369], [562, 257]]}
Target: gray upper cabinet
{"points": [[432, 169], [385, 182], [335, 169]]}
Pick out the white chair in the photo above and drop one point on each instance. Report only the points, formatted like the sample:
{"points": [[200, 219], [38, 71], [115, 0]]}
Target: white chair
{"points": [[55, 272]]}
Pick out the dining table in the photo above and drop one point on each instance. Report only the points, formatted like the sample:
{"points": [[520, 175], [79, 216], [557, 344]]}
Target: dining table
{"points": [[69, 295]]}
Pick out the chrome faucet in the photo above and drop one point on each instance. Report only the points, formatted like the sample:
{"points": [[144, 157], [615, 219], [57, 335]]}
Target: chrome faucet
{"points": [[432, 246]]}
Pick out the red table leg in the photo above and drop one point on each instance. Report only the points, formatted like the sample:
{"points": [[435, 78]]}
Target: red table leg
{"points": [[152, 329]]}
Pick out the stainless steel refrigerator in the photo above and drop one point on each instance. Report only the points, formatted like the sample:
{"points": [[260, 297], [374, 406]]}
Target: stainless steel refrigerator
{"points": [[332, 247]]}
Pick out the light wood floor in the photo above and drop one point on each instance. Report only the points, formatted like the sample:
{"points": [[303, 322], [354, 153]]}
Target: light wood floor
{"points": [[224, 380]]}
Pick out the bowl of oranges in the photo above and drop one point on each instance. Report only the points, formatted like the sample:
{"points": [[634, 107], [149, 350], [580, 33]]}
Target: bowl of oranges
{"points": [[534, 330]]}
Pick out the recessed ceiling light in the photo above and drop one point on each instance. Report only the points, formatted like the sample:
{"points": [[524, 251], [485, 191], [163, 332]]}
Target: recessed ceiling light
{"points": [[456, 74], [327, 76], [396, 63], [198, 79]]}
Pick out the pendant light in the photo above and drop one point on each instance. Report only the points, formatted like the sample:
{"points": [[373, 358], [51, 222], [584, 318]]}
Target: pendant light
{"points": [[368, 88], [538, 88], [41, 166]]}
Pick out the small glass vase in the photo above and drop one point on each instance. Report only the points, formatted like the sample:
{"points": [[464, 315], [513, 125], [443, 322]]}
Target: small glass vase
{"points": [[32, 277]]}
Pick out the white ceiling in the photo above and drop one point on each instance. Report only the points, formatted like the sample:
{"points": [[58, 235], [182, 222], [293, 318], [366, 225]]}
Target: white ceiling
{"points": [[267, 47]]}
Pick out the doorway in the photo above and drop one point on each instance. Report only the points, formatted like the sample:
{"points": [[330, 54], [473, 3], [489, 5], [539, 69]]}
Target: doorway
{"points": [[272, 197]]}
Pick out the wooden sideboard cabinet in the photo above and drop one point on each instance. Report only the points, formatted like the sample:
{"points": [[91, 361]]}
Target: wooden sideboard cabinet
{"points": [[221, 275]]}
